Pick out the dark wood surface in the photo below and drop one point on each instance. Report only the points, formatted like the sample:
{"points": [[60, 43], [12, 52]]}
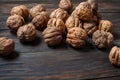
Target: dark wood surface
{"points": [[37, 61]]}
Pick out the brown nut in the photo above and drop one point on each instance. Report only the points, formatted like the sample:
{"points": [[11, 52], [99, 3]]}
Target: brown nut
{"points": [[66, 5], [102, 39], [83, 11], [27, 33], [60, 14], [34, 11], [54, 22], [73, 21], [40, 21], [20, 10], [14, 22], [106, 25], [90, 28], [114, 56], [76, 37], [52, 36], [6, 46]]}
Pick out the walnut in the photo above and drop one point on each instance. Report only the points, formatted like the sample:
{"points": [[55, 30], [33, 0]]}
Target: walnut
{"points": [[76, 37], [94, 5], [73, 21], [27, 33], [66, 5], [14, 22], [20, 10], [106, 25], [34, 11], [102, 39], [90, 28], [83, 11], [96, 18], [54, 22], [59, 13], [40, 21], [6, 46], [114, 56], [52, 36]]}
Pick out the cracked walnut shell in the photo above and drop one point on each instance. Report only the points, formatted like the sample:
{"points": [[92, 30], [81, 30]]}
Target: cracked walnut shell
{"points": [[102, 39], [106, 25], [6, 46], [114, 56], [40, 21], [14, 22], [54, 22], [20, 10], [76, 37], [59, 13], [27, 33], [34, 11], [52, 36], [73, 21]]}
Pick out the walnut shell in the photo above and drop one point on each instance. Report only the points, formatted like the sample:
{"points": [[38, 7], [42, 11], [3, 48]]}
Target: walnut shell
{"points": [[14, 22], [76, 37], [54, 22], [102, 39], [90, 28], [52, 36], [40, 21], [27, 33], [83, 11], [6, 46], [20, 10], [59, 13], [34, 11], [114, 56], [66, 5], [73, 21], [106, 25]]}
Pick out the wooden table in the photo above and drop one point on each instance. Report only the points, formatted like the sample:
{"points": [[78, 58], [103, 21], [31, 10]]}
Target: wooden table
{"points": [[37, 61]]}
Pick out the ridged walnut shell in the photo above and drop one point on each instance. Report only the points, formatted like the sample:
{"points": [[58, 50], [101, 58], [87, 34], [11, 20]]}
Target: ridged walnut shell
{"points": [[21, 10], [102, 39], [76, 37], [40, 21], [27, 33], [54, 22], [73, 21], [14, 22], [114, 56], [34, 11], [60, 14], [6, 46], [52, 36]]}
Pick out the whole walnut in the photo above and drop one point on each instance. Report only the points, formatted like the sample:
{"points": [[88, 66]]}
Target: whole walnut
{"points": [[102, 39], [54, 22], [73, 21], [114, 56], [20, 10], [66, 5], [52, 36], [40, 21], [76, 37], [106, 25], [6, 46], [27, 33], [90, 28], [14, 22], [83, 11], [59, 13], [34, 11]]}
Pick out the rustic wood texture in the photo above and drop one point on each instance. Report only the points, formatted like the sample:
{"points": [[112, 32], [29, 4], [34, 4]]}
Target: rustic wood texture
{"points": [[37, 61]]}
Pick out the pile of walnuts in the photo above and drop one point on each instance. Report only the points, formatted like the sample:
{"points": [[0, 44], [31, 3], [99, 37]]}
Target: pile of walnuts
{"points": [[78, 24]]}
